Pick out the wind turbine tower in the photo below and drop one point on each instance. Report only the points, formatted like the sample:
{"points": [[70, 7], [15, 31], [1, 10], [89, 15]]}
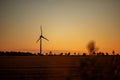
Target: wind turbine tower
{"points": [[40, 38]]}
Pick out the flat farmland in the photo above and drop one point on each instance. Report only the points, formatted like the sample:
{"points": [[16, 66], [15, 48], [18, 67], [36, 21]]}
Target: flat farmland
{"points": [[59, 67]]}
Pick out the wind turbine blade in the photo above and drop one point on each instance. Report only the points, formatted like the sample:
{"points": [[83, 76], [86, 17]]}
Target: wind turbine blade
{"points": [[38, 40], [45, 38], [41, 29]]}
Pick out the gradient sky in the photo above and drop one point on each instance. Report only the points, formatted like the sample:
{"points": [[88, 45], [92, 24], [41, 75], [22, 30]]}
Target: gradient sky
{"points": [[68, 24]]}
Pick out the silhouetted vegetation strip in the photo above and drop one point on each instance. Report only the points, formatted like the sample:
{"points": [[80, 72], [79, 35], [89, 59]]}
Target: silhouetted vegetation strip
{"points": [[16, 54], [12, 53]]}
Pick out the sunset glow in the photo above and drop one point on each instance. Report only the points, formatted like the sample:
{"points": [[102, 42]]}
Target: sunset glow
{"points": [[68, 24]]}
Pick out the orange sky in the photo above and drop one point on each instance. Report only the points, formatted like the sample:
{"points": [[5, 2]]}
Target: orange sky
{"points": [[68, 24]]}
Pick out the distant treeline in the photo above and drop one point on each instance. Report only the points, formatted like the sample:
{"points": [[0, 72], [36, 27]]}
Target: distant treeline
{"points": [[13, 53], [16, 54]]}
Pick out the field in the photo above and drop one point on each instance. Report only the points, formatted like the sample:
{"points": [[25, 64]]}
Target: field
{"points": [[59, 67]]}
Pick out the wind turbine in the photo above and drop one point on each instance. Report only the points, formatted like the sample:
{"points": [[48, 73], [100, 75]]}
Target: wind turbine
{"points": [[40, 38]]}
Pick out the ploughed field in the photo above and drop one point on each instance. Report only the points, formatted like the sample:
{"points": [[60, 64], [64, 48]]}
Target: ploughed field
{"points": [[59, 67]]}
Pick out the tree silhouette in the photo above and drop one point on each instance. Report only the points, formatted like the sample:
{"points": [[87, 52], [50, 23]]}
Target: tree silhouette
{"points": [[113, 52], [92, 48]]}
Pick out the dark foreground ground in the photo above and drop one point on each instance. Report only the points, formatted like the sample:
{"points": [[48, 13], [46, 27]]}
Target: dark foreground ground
{"points": [[59, 67]]}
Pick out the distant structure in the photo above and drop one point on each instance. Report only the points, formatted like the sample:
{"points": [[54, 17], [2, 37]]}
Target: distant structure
{"points": [[40, 38]]}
